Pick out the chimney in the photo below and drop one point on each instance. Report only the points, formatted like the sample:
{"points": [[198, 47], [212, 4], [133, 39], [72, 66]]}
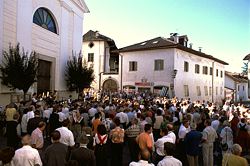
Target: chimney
{"points": [[174, 37], [200, 49], [190, 45], [96, 33]]}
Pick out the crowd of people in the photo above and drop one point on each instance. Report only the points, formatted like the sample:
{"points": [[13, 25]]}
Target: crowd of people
{"points": [[95, 130]]}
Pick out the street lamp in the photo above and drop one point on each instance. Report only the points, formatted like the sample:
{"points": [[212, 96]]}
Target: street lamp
{"points": [[100, 76], [173, 76]]}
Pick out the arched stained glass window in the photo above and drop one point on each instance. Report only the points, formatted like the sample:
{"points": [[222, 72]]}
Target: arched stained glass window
{"points": [[43, 18]]}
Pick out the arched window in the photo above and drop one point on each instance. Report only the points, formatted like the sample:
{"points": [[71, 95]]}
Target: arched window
{"points": [[43, 18]]}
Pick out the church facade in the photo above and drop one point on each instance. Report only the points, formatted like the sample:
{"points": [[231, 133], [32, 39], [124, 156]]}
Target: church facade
{"points": [[51, 28]]}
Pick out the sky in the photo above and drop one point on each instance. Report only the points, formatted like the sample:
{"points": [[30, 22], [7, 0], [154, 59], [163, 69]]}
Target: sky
{"points": [[220, 27]]}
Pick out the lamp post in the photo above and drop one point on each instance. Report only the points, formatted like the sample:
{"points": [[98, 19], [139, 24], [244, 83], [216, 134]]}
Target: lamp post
{"points": [[100, 77], [173, 76]]}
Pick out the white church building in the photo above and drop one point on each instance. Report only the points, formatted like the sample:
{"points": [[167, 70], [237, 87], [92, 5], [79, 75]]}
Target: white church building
{"points": [[51, 28]]}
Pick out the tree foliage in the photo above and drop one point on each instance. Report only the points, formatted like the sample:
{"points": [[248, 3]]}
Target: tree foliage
{"points": [[245, 68], [78, 75], [18, 68]]}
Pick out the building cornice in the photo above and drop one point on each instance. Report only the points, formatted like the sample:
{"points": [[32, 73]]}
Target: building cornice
{"points": [[81, 5]]}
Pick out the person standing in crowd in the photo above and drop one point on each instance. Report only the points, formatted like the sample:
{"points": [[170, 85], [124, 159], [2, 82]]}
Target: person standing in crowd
{"points": [[144, 140], [77, 125], [33, 122], [30, 113], [184, 129], [234, 125], [157, 124], [92, 111], [208, 137], [159, 154], [24, 122], [83, 155], [243, 136], [171, 133], [57, 153], [12, 132], [10, 112], [54, 120], [96, 122], [117, 139], [192, 142], [169, 149], [123, 118], [6, 156], [27, 155], [226, 136], [144, 157], [234, 158], [67, 137], [101, 149], [37, 137], [132, 132]]}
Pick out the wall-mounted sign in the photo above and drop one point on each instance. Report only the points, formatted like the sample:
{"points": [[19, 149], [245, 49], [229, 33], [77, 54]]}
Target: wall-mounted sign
{"points": [[144, 84]]}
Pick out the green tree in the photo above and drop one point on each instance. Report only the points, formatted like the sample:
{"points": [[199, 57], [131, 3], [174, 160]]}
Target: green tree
{"points": [[245, 68], [78, 75], [18, 69]]}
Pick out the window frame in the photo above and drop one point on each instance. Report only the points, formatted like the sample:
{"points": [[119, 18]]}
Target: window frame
{"points": [[159, 64], [186, 91], [206, 90], [186, 66], [91, 57], [211, 71], [198, 90], [133, 66], [204, 70], [40, 18], [197, 69]]}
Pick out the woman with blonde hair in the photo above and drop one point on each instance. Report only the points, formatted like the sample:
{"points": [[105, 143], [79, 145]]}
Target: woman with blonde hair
{"points": [[234, 158]]}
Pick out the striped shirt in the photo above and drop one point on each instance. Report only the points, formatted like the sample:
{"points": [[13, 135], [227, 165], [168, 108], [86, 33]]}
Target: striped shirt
{"points": [[133, 131]]}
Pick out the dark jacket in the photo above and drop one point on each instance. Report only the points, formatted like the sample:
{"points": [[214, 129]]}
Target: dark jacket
{"points": [[56, 155], [84, 156], [33, 124]]}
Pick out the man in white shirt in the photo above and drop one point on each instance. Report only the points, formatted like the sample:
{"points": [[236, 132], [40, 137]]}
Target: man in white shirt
{"points": [[62, 116], [169, 159], [209, 136], [144, 156], [123, 118], [27, 155], [159, 146], [184, 129], [31, 113], [67, 137], [171, 133]]}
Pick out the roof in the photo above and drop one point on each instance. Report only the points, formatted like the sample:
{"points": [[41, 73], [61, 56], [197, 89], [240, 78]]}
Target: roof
{"points": [[96, 36], [247, 57], [237, 77], [163, 43]]}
